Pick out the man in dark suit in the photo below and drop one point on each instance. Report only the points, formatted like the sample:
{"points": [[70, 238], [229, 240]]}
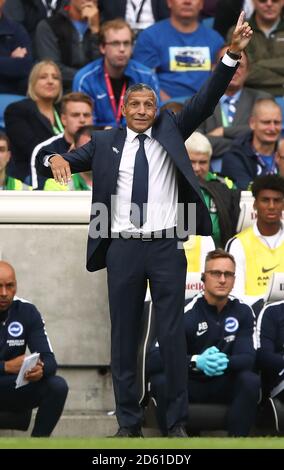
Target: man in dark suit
{"points": [[134, 254]]}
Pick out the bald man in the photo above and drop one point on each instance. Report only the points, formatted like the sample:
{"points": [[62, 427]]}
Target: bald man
{"points": [[21, 326]]}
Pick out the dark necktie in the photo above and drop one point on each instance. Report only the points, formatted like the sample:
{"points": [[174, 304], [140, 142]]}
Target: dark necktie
{"points": [[140, 185]]}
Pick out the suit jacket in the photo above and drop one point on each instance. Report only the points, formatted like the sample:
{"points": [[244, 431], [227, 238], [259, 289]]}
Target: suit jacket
{"points": [[26, 127], [103, 153], [110, 10], [240, 125]]}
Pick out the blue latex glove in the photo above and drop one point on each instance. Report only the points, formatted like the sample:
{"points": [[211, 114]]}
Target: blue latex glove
{"points": [[207, 362], [211, 350], [212, 363], [222, 364]]}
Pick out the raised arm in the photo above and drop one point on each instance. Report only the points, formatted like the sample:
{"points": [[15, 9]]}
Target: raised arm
{"points": [[203, 103]]}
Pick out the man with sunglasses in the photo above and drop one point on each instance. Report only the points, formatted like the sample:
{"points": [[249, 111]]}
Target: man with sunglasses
{"points": [[220, 349]]}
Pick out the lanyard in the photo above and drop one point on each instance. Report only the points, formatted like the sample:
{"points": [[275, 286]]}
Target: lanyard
{"points": [[224, 118], [49, 6], [116, 110], [137, 9], [269, 169], [57, 127]]}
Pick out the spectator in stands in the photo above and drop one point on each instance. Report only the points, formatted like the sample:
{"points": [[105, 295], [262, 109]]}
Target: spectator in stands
{"points": [[139, 14], [7, 182], [227, 13], [107, 79], [76, 112], [221, 199], [271, 348], [231, 116], [266, 50], [15, 55], [29, 13], [259, 249], [220, 349], [22, 327], [180, 49], [253, 153], [32, 120], [279, 158], [69, 38]]}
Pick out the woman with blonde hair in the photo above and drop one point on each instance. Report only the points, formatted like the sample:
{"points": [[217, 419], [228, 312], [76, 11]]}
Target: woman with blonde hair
{"points": [[34, 119]]}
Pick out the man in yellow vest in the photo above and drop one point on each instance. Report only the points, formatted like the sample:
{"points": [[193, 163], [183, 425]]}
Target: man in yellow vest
{"points": [[259, 249], [7, 182]]}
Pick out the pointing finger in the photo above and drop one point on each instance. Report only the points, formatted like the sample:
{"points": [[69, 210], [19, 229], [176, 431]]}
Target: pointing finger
{"points": [[240, 20]]}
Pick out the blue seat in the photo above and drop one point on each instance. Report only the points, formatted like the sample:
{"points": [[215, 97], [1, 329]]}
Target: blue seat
{"points": [[5, 100], [280, 101]]}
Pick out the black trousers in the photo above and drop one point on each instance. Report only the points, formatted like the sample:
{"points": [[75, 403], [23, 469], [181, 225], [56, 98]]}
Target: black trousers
{"points": [[130, 263], [240, 389], [48, 395]]}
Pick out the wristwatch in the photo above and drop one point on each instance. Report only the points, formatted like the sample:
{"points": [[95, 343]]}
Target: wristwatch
{"points": [[233, 56], [192, 364]]}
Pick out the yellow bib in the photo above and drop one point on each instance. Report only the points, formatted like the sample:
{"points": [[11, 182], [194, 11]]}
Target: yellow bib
{"points": [[192, 249], [261, 262]]}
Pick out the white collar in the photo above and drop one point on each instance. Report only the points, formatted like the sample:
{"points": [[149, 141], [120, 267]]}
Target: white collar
{"points": [[131, 135]]}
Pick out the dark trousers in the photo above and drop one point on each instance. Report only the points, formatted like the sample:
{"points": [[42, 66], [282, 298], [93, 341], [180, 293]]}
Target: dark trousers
{"points": [[241, 390], [48, 395], [130, 263]]}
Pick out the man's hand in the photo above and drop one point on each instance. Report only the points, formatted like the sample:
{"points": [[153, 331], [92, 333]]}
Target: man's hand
{"points": [[36, 373], [90, 12], [60, 169], [19, 53], [13, 366], [241, 35]]}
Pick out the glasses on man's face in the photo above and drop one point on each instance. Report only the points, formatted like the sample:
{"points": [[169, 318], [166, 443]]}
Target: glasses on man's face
{"points": [[218, 274], [117, 44]]}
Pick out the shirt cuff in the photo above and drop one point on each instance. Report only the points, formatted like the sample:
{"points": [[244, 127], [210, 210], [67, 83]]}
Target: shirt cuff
{"points": [[46, 160], [228, 61]]}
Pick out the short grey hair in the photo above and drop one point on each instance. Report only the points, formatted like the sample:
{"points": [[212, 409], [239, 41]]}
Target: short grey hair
{"points": [[198, 143], [139, 87]]}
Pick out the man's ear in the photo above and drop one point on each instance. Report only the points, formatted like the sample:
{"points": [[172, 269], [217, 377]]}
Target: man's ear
{"points": [[63, 119], [123, 110]]}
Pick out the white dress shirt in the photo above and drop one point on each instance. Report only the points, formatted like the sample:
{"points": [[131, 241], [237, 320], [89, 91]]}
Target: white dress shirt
{"points": [[162, 187], [146, 18]]}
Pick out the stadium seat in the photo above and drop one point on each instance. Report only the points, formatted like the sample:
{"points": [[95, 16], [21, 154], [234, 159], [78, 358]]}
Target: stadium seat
{"points": [[193, 285], [5, 100], [280, 100], [275, 290], [247, 213]]}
